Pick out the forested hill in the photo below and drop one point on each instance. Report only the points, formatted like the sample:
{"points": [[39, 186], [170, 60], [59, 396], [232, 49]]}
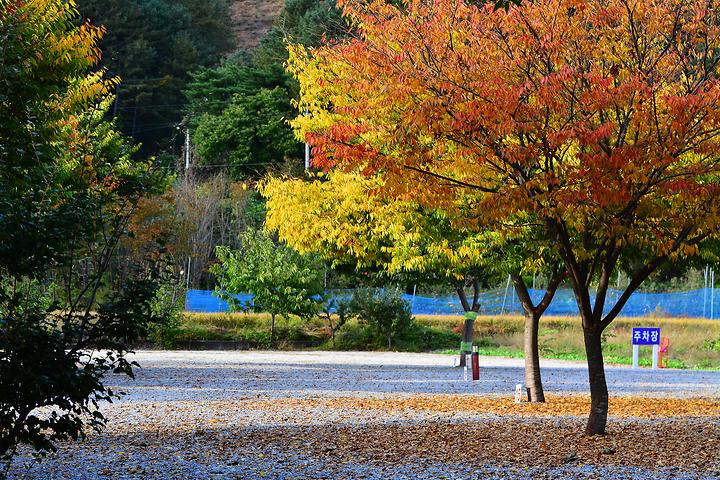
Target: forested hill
{"points": [[251, 19]]}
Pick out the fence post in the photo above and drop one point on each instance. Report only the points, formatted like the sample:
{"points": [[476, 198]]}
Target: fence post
{"points": [[705, 290], [712, 293], [502, 311]]}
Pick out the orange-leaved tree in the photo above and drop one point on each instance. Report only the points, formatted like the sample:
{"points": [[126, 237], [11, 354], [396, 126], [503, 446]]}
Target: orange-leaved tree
{"points": [[598, 120]]}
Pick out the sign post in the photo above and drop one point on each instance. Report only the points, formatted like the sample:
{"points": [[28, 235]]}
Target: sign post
{"points": [[645, 336]]}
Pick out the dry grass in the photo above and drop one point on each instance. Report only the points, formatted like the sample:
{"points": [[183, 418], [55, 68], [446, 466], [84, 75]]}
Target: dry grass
{"points": [[561, 337]]}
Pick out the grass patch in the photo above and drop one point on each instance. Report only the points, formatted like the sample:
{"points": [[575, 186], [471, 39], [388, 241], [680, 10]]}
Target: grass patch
{"points": [[693, 342]]}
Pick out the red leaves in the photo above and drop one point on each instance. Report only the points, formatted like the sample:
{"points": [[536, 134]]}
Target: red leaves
{"points": [[569, 108]]}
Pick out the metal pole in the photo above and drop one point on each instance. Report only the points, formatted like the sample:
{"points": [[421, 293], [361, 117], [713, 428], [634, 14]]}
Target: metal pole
{"points": [[187, 168], [656, 349], [307, 157], [307, 151], [412, 302], [636, 354], [705, 290], [187, 149], [712, 293], [505, 296], [187, 278]]}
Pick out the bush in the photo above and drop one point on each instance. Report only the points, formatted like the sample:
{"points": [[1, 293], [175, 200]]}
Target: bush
{"points": [[384, 310], [712, 345], [423, 338], [336, 314], [167, 305]]}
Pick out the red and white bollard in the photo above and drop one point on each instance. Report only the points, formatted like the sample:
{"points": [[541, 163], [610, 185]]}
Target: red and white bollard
{"points": [[475, 364]]}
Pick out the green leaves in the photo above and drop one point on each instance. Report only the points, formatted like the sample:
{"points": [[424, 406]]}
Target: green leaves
{"points": [[282, 281], [384, 310], [250, 134]]}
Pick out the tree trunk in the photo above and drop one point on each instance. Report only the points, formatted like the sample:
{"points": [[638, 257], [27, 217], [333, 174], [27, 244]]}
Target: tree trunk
{"points": [[533, 380], [467, 339], [598, 385]]}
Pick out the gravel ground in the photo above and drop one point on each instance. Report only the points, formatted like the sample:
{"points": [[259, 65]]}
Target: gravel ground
{"points": [[247, 415], [171, 376]]}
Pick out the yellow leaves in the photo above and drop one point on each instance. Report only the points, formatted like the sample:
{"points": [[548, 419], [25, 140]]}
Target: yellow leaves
{"points": [[556, 405], [341, 216]]}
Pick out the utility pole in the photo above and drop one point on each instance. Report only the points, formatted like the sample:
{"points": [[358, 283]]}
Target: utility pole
{"points": [[307, 157], [187, 150], [187, 170], [307, 151]]}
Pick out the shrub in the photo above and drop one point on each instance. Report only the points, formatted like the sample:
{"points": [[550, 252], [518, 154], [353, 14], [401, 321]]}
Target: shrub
{"points": [[335, 313], [384, 310]]}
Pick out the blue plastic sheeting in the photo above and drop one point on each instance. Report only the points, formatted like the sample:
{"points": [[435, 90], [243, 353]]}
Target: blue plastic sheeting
{"points": [[693, 303]]}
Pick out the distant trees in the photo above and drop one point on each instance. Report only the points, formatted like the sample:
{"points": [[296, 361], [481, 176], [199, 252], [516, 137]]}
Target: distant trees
{"points": [[239, 110], [249, 135], [154, 45]]}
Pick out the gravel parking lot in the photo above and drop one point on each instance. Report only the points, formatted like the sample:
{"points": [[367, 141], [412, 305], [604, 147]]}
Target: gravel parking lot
{"points": [[334, 415]]}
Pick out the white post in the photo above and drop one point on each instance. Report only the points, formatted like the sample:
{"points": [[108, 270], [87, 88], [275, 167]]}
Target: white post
{"points": [[307, 151], [656, 349], [307, 157], [412, 302], [636, 352], [712, 293], [187, 278], [505, 296], [705, 289], [187, 149]]}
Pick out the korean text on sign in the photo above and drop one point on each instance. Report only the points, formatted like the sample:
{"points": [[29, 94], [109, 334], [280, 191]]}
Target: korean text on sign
{"points": [[646, 336]]}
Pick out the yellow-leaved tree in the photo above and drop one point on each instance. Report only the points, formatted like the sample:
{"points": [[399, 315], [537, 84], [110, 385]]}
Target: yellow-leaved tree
{"points": [[341, 217]]}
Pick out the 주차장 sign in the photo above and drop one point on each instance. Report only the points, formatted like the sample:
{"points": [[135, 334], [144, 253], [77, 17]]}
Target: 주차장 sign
{"points": [[646, 336]]}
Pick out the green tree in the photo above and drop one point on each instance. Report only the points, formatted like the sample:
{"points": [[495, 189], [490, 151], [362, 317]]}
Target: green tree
{"points": [[68, 186], [250, 134], [384, 310], [281, 281]]}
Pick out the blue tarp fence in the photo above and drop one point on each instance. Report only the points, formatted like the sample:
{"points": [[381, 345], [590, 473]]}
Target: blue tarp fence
{"points": [[692, 303]]}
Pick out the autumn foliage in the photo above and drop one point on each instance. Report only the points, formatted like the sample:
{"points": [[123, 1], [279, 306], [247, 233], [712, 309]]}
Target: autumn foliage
{"points": [[596, 120]]}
